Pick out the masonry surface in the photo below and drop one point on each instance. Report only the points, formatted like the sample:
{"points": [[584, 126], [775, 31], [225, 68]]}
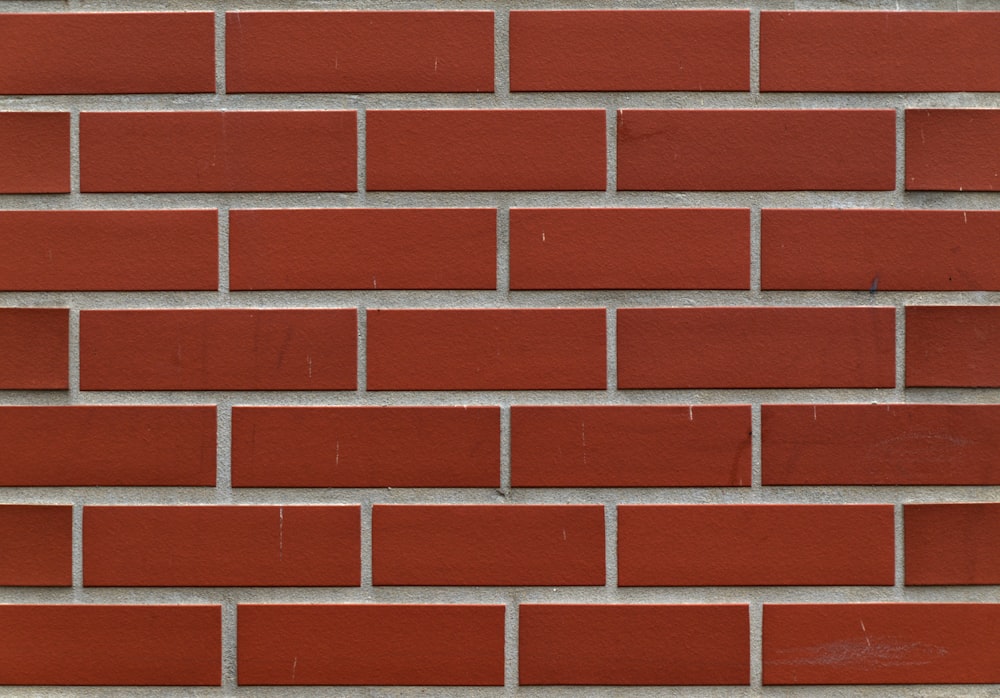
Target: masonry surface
{"points": [[499, 348]]}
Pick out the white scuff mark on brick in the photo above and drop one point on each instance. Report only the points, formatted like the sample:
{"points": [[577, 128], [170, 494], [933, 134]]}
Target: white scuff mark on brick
{"points": [[814, 413], [309, 362], [690, 413], [336, 457], [583, 440]]}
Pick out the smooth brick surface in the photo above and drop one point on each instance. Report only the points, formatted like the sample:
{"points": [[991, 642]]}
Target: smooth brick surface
{"points": [[98, 645], [366, 447], [373, 249], [630, 446], [484, 150], [750, 544], [37, 545], [646, 248], [35, 147], [221, 546], [107, 445], [112, 53], [755, 347], [766, 150], [953, 346], [481, 349], [904, 643], [953, 149], [220, 349], [34, 348], [616, 50], [215, 151], [109, 250], [636, 644], [488, 545], [879, 51], [872, 250], [359, 51], [892, 444], [952, 543], [349, 644]]}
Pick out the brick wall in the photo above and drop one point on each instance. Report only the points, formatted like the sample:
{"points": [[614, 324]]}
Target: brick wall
{"points": [[499, 344]]}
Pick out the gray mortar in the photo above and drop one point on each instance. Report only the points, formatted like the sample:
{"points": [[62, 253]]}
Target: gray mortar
{"points": [[502, 297]]}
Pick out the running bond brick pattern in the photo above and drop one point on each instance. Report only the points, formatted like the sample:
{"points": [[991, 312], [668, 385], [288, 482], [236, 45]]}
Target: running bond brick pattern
{"points": [[447, 348]]}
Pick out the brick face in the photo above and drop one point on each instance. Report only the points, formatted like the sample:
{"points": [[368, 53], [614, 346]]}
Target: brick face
{"points": [[586, 346]]}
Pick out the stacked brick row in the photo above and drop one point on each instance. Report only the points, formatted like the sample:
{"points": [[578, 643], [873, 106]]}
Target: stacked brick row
{"points": [[775, 404]]}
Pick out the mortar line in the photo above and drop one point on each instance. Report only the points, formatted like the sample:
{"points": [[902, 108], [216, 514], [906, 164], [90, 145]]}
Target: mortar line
{"points": [[223, 452], [73, 392], [77, 560], [900, 160], [901, 351], [367, 516], [362, 166], [755, 52], [900, 549], [756, 610], [219, 20], [503, 251], [229, 649], [501, 54], [505, 450], [511, 654], [611, 330], [362, 349], [611, 131], [223, 213], [74, 153], [611, 548]]}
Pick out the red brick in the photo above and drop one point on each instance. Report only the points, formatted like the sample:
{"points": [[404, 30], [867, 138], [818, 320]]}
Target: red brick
{"points": [[629, 248], [952, 543], [895, 643], [359, 51], [635, 644], [486, 150], [218, 151], [109, 53], [614, 50], [757, 150], [777, 347], [482, 349], [35, 149], [192, 546], [953, 149], [488, 545], [37, 545], [218, 349], [755, 545], [630, 446], [107, 445], [856, 250], [880, 444], [953, 346], [109, 251], [879, 51], [366, 447], [96, 645], [34, 348], [347, 644], [318, 249]]}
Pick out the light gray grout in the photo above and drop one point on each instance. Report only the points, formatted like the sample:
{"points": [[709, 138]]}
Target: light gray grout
{"points": [[220, 52], [501, 53], [900, 550], [77, 561], [73, 394], [223, 227], [74, 154], [755, 252], [366, 544], [506, 438], [901, 350], [755, 52], [756, 644], [362, 155], [503, 252], [362, 352], [228, 644], [611, 137], [224, 430], [611, 546], [611, 332], [511, 625]]}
